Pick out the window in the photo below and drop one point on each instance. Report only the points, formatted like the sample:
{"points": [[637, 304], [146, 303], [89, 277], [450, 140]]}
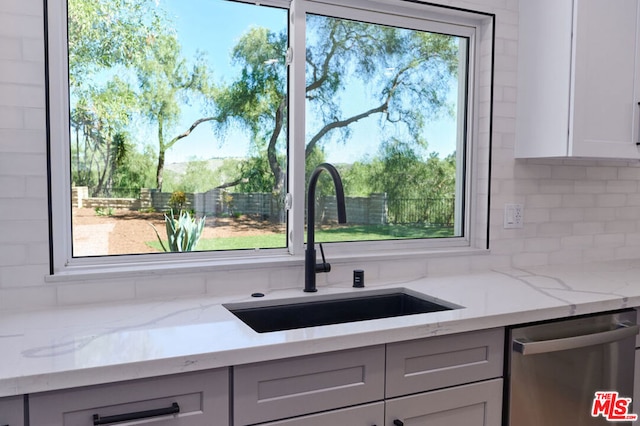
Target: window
{"points": [[194, 126]]}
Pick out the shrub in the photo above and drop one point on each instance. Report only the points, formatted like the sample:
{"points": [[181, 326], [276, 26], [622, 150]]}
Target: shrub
{"points": [[228, 200], [101, 211], [183, 233], [178, 200]]}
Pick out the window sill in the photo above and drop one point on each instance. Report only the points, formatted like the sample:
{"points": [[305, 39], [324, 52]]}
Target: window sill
{"points": [[407, 254], [160, 268]]}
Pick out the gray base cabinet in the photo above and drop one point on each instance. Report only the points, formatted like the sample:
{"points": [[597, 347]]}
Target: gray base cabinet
{"points": [[444, 361], [362, 415], [477, 404], [12, 411], [436, 381], [292, 387], [188, 399], [445, 380]]}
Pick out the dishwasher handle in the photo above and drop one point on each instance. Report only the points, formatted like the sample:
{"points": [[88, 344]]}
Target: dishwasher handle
{"points": [[623, 331]]}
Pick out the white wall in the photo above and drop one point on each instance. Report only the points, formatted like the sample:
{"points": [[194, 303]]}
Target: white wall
{"points": [[574, 211], [23, 164]]}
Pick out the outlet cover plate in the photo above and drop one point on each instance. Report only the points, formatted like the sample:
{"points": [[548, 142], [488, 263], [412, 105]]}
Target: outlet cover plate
{"points": [[513, 216]]}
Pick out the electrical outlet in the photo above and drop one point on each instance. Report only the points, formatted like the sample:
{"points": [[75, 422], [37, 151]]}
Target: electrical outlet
{"points": [[513, 216]]}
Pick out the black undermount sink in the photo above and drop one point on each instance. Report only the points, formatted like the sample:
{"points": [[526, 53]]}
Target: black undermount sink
{"points": [[287, 315]]}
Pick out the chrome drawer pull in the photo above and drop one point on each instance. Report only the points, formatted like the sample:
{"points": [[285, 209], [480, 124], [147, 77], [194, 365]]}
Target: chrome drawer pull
{"points": [[174, 409], [526, 347]]}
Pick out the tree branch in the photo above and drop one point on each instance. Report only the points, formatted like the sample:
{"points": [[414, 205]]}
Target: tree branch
{"points": [[341, 123], [230, 184], [271, 149], [344, 123], [325, 64], [188, 132]]}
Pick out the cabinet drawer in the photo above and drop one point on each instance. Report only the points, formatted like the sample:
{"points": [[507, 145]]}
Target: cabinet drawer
{"points": [[202, 398], [362, 415], [291, 387], [12, 411], [477, 404], [438, 362]]}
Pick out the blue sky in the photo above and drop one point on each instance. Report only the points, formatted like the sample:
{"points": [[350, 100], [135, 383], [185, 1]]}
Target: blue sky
{"points": [[215, 26]]}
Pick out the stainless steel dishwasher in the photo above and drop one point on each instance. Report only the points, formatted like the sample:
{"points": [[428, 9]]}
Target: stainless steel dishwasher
{"points": [[557, 367]]}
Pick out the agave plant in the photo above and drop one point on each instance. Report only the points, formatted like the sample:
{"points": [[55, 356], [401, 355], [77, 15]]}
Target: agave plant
{"points": [[183, 233]]}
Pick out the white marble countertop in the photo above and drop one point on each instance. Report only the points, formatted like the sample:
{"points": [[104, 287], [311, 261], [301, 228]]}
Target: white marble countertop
{"points": [[77, 346]]}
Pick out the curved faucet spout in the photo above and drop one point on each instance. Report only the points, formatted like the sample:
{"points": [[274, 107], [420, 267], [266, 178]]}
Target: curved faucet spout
{"points": [[310, 253]]}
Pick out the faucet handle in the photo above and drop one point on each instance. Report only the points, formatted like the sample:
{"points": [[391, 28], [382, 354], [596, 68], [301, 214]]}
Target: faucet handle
{"points": [[324, 266]]}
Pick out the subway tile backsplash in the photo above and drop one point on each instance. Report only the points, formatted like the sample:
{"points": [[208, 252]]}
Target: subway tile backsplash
{"points": [[574, 210]]}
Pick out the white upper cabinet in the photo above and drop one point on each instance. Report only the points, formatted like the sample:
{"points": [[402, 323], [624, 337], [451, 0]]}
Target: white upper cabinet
{"points": [[578, 79]]}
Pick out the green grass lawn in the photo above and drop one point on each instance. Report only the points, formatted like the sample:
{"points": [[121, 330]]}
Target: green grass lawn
{"points": [[339, 233]]}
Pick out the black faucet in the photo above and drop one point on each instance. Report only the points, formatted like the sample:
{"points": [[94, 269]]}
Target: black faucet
{"points": [[310, 266]]}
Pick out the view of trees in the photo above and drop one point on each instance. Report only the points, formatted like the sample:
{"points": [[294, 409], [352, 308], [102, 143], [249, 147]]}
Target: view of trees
{"points": [[127, 69]]}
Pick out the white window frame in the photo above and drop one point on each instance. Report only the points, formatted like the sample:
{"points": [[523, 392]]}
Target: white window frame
{"points": [[474, 217]]}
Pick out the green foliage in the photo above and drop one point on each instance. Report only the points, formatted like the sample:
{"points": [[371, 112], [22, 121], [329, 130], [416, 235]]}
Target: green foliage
{"points": [[324, 186], [136, 170], [256, 102], [408, 71], [199, 177], [256, 175], [417, 189], [133, 48], [228, 201], [401, 171], [99, 120], [358, 177], [342, 233], [166, 82], [105, 38], [101, 211], [107, 33], [204, 175], [183, 233], [178, 201], [402, 68]]}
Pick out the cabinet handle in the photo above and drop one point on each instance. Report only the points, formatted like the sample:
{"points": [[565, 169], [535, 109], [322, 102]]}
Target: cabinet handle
{"points": [[397, 422], [174, 409]]}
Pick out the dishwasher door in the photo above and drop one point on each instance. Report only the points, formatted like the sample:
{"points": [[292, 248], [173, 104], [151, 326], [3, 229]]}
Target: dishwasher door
{"points": [[557, 367]]}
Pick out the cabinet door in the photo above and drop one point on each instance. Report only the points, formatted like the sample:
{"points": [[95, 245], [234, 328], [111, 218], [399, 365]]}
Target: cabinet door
{"points": [[12, 411], [362, 415], [478, 404], [292, 387], [606, 77], [438, 362], [202, 399], [544, 78], [578, 79]]}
